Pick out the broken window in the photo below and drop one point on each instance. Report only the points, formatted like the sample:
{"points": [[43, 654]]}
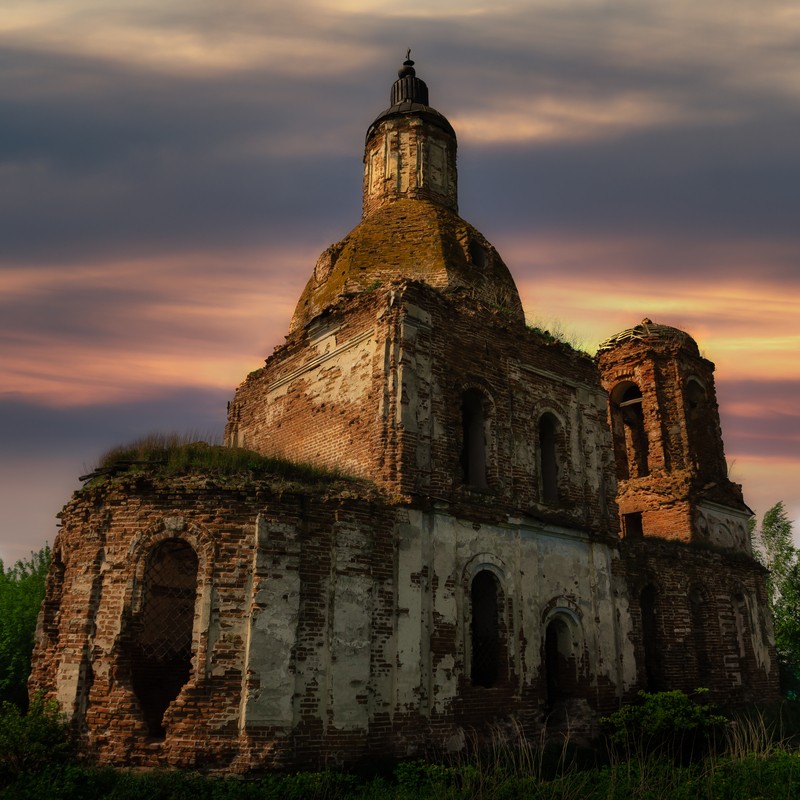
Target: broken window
{"points": [[161, 658], [559, 661], [630, 437], [651, 640], [548, 458], [473, 449], [485, 629]]}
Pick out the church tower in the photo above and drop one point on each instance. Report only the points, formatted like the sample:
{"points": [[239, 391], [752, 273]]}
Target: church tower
{"points": [[352, 388], [670, 462]]}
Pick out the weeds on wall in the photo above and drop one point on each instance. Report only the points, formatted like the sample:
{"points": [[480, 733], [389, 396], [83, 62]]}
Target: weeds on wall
{"points": [[555, 331]]}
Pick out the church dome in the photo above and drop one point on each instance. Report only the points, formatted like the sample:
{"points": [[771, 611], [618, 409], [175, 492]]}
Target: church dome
{"points": [[410, 228], [413, 239], [649, 332]]}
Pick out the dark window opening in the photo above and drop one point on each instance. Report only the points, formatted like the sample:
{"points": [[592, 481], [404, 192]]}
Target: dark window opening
{"points": [[698, 611], [631, 446], [161, 658], [473, 452], [632, 525], [559, 662], [548, 458], [636, 444], [701, 427], [485, 630], [477, 254], [651, 640]]}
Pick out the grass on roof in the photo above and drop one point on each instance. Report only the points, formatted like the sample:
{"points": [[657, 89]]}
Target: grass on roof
{"points": [[175, 454]]}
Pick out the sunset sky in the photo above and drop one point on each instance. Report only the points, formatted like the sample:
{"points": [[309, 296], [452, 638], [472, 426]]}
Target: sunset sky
{"points": [[169, 173]]}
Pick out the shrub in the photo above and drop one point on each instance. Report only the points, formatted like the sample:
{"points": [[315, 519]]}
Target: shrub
{"points": [[33, 741], [670, 724]]}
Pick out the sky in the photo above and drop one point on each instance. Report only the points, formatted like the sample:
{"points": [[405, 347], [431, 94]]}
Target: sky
{"points": [[169, 173]]}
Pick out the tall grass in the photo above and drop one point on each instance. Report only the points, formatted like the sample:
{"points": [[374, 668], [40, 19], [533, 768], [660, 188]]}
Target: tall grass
{"points": [[510, 765]]}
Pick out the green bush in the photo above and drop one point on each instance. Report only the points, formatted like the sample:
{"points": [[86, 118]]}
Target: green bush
{"points": [[31, 742], [674, 725]]}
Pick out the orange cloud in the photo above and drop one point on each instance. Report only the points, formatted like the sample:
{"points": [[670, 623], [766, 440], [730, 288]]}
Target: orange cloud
{"points": [[201, 322]]}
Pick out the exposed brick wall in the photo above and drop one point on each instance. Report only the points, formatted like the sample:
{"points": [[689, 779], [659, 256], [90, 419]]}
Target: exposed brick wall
{"points": [[686, 465], [399, 419], [332, 624], [735, 671]]}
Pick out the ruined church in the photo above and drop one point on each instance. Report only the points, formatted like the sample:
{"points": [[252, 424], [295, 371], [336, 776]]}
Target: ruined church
{"points": [[502, 530]]}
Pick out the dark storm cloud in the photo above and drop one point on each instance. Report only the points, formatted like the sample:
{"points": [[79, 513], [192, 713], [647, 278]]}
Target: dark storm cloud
{"points": [[103, 157], [137, 163], [707, 182]]}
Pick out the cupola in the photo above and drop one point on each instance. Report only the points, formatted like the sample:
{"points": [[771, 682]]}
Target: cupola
{"points": [[410, 151]]}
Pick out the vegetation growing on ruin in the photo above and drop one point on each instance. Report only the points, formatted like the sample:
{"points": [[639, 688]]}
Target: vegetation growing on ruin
{"points": [[753, 759], [173, 454], [555, 331]]}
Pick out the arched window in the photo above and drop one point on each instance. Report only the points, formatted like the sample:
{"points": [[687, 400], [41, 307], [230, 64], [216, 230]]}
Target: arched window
{"points": [[630, 437], [559, 661], [700, 619], [473, 449], [700, 425], [485, 629], [651, 639], [161, 657], [548, 458]]}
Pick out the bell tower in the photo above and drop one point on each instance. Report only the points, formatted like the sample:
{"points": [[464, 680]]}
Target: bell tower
{"points": [[670, 461]]}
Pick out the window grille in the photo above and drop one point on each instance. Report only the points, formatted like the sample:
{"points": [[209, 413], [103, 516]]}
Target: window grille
{"points": [[162, 649]]}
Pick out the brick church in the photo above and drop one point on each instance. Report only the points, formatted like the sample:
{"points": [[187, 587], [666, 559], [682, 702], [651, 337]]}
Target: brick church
{"points": [[528, 535]]}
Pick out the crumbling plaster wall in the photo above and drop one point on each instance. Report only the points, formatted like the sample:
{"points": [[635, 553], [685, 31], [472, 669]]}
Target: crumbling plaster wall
{"points": [[408, 157], [521, 376], [319, 398], [322, 630]]}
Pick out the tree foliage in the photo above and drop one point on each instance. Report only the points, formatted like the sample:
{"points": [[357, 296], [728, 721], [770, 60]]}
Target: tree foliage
{"points": [[777, 552], [21, 595]]}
